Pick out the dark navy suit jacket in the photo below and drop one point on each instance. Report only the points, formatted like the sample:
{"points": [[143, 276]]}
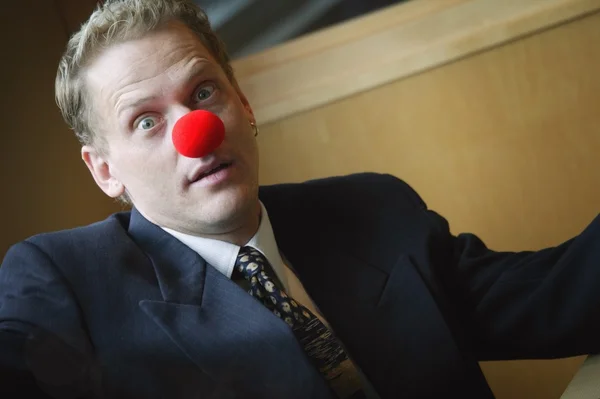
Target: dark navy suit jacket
{"points": [[122, 309]]}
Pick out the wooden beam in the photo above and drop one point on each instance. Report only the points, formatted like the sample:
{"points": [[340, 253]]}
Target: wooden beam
{"points": [[388, 45]]}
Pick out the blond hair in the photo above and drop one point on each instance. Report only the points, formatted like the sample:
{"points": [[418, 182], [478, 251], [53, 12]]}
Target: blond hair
{"points": [[116, 21]]}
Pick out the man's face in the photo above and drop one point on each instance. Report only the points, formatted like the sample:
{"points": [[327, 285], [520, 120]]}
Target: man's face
{"points": [[138, 91]]}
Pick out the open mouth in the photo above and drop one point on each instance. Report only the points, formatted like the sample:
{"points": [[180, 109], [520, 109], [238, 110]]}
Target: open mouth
{"points": [[219, 168]]}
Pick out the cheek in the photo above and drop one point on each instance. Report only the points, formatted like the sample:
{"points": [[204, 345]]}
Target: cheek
{"points": [[143, 165], [235, 112], [246, 145], [238, 131]]}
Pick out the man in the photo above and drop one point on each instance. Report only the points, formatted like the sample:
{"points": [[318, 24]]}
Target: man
{"points": [[211, 288]]}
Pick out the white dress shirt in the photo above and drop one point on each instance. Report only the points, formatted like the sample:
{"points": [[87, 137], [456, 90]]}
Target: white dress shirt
{"points": [[222, 255]]}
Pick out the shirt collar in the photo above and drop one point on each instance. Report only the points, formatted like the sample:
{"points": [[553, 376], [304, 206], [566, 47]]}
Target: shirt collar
{"points": [[222, 255]]}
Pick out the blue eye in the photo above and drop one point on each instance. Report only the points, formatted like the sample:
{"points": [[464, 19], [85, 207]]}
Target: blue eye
{"points": [[204, 92], [147, 123]]}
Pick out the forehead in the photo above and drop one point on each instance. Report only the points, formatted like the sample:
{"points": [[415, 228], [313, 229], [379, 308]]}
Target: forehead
{"points": [[145, 62]]}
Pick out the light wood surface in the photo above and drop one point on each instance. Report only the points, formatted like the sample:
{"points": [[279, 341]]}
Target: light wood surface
{"points": [[392, 44], [586, 383], [504, 143], [339, 35]]}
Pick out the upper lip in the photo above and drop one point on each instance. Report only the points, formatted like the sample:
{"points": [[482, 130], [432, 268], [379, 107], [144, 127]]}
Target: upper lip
{"points": [[202, 169]]}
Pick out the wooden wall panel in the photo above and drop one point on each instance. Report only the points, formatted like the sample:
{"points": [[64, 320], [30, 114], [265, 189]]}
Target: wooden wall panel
{"points": [[45, 185], [504, 143]]}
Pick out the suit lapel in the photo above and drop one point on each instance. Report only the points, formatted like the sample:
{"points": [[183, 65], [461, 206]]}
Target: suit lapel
{"points": [[181, 272], [220, 327], [374, 298]]}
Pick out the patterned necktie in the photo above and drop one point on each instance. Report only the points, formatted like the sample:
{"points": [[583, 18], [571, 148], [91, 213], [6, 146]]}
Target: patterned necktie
{"points": [[318, 342]]}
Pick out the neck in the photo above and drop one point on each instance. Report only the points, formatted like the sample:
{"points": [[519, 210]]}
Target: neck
{"points": [[240, 232], [246, 230]]}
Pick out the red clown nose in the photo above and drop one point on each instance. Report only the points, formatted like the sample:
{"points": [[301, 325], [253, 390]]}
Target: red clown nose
{"points": [[198, 134]]}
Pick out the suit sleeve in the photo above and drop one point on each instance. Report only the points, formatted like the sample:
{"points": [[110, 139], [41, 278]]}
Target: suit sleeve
{"points": [[518, 305], [44, 350]]}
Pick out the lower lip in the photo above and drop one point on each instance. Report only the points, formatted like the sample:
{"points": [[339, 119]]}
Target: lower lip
{"points": [[215, 178]]}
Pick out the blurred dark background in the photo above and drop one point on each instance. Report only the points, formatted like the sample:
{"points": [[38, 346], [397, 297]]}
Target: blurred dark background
{"points": [[248, 26]]}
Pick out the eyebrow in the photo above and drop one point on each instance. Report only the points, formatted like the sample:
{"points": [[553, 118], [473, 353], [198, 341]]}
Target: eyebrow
{"points": [[201, 66], [136, 103]]}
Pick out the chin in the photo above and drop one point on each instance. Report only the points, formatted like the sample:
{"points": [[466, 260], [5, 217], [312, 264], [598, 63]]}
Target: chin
{"points": [[233, 205]]}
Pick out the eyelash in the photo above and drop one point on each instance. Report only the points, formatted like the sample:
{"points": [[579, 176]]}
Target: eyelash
{"points": [[204, 85]]}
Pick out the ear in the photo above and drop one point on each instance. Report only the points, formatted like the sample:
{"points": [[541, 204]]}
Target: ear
{"points": [[245, 102], [100, 170]]}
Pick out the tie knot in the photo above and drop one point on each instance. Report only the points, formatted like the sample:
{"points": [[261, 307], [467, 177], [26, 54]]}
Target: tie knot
{"points": [[249, 262]]}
